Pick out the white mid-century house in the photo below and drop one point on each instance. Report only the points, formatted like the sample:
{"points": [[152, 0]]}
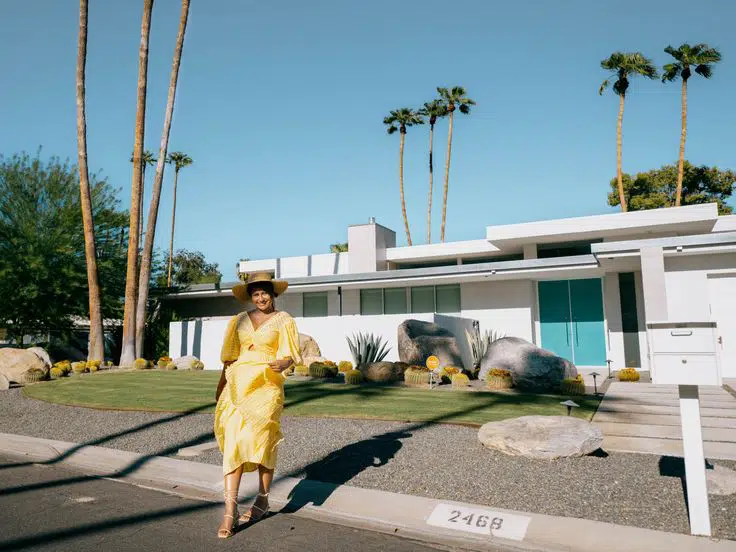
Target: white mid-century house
{"points": [[583, 287]]}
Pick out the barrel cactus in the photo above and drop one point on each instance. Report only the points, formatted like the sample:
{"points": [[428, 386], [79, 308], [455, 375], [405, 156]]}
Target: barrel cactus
{"points": [[499, 379], [64, 366], [573, 386], [140, 364], [170, 366], [322, 370], [353, 377], [460, 380], [301, 370], [93, 365], [163, 362], [34, 375], [79, 367], [415, 375], [628, 374], [447, 372], [344, 366], [57, 372], [198, 365]]}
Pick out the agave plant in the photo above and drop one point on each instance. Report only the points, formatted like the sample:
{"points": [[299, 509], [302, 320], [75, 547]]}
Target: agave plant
{"points": [[367, 348], [479, 345]]}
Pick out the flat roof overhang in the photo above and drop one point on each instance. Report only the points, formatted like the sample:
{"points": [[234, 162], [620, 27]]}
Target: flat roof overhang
{"points": [[538, 269], [692, 219]]}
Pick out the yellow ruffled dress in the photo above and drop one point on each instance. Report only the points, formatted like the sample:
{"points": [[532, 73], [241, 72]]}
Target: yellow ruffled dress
{"points": [[248, 413]]}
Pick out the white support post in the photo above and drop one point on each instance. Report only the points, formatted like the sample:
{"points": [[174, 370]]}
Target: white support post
{"points": [[692, 442]]}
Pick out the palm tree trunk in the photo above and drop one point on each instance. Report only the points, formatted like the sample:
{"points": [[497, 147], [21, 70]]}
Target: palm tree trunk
{"points": [[401, 188], [127, 356], [447, 178], [619, 175], [431, 184], [681, 161], [96, 349], [140, 204], [173, 221], [145, 274]]}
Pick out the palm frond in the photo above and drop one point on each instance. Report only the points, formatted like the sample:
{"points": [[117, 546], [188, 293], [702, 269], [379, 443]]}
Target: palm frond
{"points": [[464, 109], [704, 70], [605, 84], [671, 71]]}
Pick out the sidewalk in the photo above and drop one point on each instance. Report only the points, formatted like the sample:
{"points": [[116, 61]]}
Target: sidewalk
{"points": [[429, 520]]}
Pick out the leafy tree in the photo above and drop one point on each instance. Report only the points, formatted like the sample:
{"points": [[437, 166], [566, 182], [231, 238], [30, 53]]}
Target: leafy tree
{"points": [[191, 267], [453, 98], [401, 119], [339, 248], [658, 188], [432, 110], [43, 278], [702, 57], [624, 65]]}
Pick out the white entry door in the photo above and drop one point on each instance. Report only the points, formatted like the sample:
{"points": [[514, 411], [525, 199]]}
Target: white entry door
{"points": [[722, 292]]}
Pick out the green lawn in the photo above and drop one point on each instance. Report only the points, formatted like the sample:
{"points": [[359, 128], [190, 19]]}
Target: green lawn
{"points": [[185, 391]]}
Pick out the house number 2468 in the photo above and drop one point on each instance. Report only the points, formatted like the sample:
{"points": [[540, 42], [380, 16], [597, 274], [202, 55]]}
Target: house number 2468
{"points": [[456, 516]]}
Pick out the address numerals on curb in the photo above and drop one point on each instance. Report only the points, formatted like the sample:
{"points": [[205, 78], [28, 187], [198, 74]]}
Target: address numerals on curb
{"points": [[475, 520]]}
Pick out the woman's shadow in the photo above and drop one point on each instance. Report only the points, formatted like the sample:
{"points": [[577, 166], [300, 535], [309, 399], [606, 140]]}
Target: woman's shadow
{"points": [[339, 467]]}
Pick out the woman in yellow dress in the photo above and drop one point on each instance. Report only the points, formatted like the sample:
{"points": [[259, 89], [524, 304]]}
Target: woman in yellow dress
{"points": [[259, 345]]}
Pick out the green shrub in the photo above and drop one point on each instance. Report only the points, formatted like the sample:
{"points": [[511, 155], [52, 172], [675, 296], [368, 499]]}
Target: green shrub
{"points": [[344, 366], [353, 377], [108, 363], [460, 380], [140, 364], [415, 375], [34, 375], [322, 370]]}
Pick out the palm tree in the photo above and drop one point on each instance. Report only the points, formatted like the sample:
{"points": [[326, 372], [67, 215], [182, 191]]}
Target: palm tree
{"points": [[146, 261], [434, 110], [454, 98], [148, 161], [404, 117], [96, 350], [127, 356], [702, 57], [623, 65], [179, 160], [339, 248]]}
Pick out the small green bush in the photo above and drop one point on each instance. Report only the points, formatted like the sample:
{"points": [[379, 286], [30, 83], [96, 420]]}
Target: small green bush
{"points": [[353, 377]]}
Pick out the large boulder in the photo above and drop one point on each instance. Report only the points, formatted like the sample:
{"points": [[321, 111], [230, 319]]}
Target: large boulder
{"points": [[4, 383], [382, 372], [419, 340], [532, 368], [185, 362], [542, 437], [16, 363], [309, 347]]}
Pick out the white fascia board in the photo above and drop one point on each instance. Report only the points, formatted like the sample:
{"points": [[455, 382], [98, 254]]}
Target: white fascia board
{"points": [[265, 265], [698, 217], [433, 251]]}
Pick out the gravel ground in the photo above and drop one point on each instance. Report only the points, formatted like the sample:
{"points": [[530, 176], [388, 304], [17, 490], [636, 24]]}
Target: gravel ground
{"points": [[439, 461]]}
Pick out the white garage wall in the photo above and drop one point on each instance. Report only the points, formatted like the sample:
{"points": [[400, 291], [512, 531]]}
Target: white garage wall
{"points": [[504, 307], [686, 279]]}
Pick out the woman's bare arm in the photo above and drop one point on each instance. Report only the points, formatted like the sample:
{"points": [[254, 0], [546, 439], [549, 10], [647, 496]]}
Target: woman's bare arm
{"points": [[222, 382]]}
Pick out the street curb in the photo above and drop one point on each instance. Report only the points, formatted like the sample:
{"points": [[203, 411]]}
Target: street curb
{"points": [[391, 513]]}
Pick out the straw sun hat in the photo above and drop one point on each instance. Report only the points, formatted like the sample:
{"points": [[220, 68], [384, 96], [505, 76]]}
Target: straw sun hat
{"points": [[241, 290]]}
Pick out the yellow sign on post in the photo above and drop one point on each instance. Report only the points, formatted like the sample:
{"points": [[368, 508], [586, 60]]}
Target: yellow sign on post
{"points": [[433, 362]]}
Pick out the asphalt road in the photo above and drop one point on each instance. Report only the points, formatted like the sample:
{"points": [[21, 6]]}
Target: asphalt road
{"points": [[52, 508]]}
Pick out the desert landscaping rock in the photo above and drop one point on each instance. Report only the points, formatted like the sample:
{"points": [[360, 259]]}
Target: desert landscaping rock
{"points": [[4, 383], [418, 340], [16, 363], [721, 481], [532, 368], [185, 362], [382, 372], [41, 353], [542, 437], [308, 346]]}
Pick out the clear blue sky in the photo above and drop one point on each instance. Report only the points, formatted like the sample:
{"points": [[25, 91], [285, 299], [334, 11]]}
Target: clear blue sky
{"points": [[280, 105]]}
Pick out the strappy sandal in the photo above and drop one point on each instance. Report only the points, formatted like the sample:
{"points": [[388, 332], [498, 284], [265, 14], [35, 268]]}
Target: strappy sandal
{"points": [[250, 516], [231, 497]]}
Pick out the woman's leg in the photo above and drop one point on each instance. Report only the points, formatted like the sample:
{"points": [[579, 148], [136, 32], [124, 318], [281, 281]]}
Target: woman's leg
{"points": [[232, 485], [260, 505]]}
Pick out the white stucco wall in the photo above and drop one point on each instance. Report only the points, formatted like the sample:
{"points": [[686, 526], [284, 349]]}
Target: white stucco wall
{"points": [[614, 329], [687, 284], [504, 307]]}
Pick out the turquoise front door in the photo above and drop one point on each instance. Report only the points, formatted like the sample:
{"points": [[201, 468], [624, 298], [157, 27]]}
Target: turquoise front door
{"points": [[571, 319]]}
